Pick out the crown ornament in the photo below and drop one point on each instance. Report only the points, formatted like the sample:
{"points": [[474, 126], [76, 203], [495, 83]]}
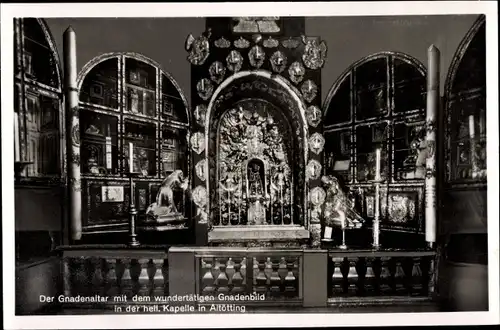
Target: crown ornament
{"points": [[241, 43], [222, 43], [290, 43], [270, 43]]}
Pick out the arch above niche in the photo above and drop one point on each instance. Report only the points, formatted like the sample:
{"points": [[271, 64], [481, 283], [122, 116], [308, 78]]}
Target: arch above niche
{"points": [[120, 56], [260, 85]]}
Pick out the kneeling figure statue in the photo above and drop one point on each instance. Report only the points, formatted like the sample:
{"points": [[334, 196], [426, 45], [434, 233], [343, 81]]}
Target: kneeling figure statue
{"points": [[163, 211]]}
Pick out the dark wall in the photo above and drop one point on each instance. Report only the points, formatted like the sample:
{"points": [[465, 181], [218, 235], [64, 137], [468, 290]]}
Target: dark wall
{"points": [[348, 38]]}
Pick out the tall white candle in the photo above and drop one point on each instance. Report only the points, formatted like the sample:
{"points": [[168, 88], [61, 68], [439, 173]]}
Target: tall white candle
{"points": [[131, 157], [16, 138], [377, 164]]}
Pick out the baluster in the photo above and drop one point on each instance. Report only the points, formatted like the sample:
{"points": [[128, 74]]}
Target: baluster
{"points": [[126, 280], [237, 277], [230, 272], [291, 280], [399, 276], [112, 286], [275, 279], [67, 277], [416, 277], [119, 271], [337, 276], [207, 280], [98, 276], [222, 280], [88, 268], [431, 274], [269, 269], [352, 276], [385, 276], [135, 273], [260, 278], [164, 273], [361, 270], [243, 271], [370, 278], [80, 276]]}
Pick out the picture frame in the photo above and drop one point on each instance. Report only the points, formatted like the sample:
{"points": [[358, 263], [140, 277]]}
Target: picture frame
{"points": [[168, 107], [97, 90]]}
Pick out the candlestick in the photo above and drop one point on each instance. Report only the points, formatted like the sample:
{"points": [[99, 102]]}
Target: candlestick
{"points": [[132, 211], [17, 154], [472, 137], [130, 157], [376, 218], [377, 163]]}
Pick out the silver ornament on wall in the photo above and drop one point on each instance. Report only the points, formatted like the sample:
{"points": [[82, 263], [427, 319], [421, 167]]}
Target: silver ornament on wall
{"points": [[296, 72], [197, 142], [313, 169], [313, 114], [199, 114], [199, 196], [316, 143], [205, 88], [278, 61], [290, 43], [309, 90], [317, 196], [217, 72], [222, 43], [270, 43], [314, 53], [201, 169], [256, 56], [234, 61], [198, 48], [241, 43]]}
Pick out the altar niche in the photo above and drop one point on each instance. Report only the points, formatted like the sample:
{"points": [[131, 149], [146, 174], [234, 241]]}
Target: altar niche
{"points": [[255, 168]]}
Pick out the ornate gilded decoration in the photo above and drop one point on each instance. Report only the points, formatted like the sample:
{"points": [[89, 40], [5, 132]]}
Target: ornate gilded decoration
{"points": [[256, 56], [222, 43], [256, 25], [316, 143], [201, 169], [198, 48], [217, 72], [257, 38], [309, 90], [313, 169], [290, 43], [296, 72], [234, 61], [205, 88], [200, 113], [314, 53], [313, 114], [199, 196], [401, 208], [317, 196], [270, 43], [198, 142], [278, 61], [241, 43]]}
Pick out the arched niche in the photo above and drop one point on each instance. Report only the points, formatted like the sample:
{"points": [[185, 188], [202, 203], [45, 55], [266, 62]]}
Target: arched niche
{"points": [[128, 102], [257, 103], [465, 109], [38, 102], [379, 101]]}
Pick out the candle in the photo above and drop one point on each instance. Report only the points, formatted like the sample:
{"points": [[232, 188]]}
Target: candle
{"points": [[16, 138], [377, 164], [131, 157]]}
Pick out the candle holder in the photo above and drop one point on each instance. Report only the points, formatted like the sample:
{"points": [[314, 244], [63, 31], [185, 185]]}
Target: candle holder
{"points": [[343, 246], [19, 167], [376, 218], [132, 210]]}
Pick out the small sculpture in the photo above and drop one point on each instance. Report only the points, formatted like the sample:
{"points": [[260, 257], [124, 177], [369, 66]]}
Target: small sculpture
{"points": [[198, 48], [314, 53], [163, 210], [337, 209]]}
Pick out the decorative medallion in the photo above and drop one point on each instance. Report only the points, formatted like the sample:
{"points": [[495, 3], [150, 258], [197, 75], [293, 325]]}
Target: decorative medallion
{"points": [[198, 48], [198, 142], [256, 55], [296, 72], [313, 170], [317, 196], [241, 43], [313, 114], [270, 43], [199, 196], [234, 61], [257, 38], [222, 43], [309, 90], [217, 72], [278, 61], [200, 113], [201, 169], [316, 143], [290, 43], [314, 53], [205, 88]]}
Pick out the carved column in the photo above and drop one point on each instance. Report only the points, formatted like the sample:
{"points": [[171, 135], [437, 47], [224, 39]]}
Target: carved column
{"points": [[430, 177], [72, 133]]}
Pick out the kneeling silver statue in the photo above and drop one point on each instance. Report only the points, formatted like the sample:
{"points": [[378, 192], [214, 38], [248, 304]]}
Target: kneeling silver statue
{"points": [[163, 211], [338, 210]]}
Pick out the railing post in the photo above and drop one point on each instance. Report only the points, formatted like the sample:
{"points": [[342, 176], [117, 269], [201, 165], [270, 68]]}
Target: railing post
{"points": [[181, 271], [315, 278]]}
